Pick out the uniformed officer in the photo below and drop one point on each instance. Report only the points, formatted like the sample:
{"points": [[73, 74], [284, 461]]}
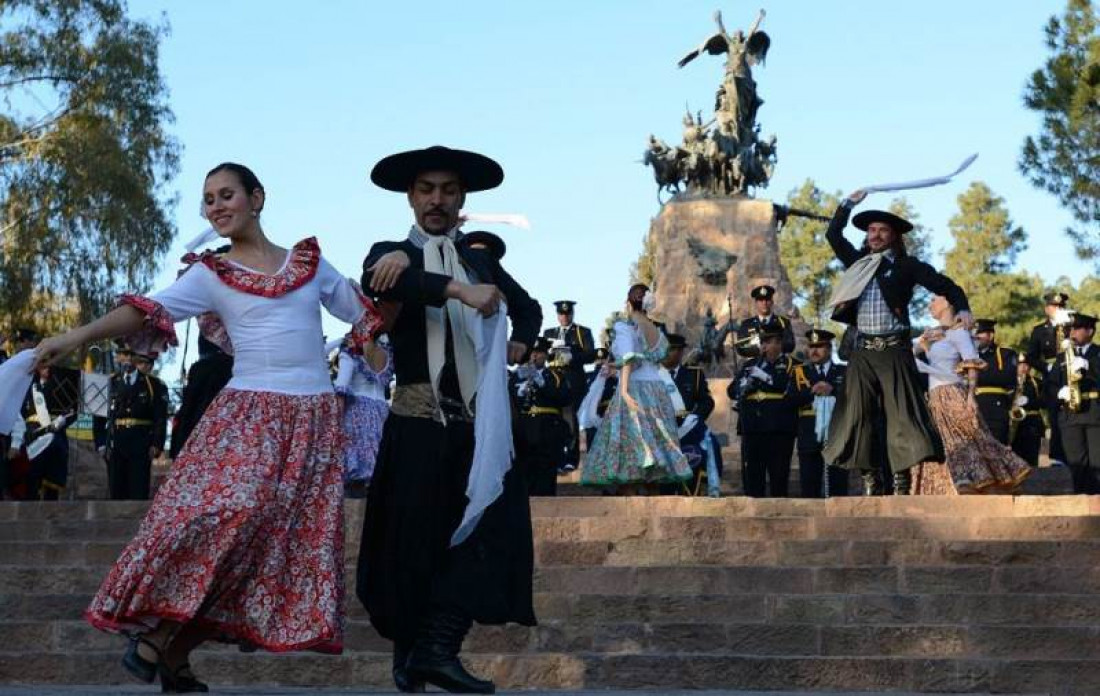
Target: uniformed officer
{"points": [[611, 383], [696, 439], [542, 435], [764, 320], [47, 410], [769, 391], [137, 422], [1080, 425], [22, 339], [996, 390], [826, 379], [1028, 438], [1043, 347], [580, 350]]}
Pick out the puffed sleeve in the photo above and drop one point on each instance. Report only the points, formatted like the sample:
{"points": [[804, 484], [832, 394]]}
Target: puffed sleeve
{"points": [[344, 372], [964, 344], [189, 296], [624, 347], [344, 300]]}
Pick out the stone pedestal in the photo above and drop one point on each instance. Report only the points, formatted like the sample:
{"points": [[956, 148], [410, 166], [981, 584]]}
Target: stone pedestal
{"points": [[708, 249]]}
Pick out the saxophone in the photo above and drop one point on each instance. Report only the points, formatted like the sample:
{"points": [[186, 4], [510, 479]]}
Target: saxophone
{"points": [[1016, 414], [1073, 380]]}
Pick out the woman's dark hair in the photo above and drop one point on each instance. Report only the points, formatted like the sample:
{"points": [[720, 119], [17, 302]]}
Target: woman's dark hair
{"points": [[635, 295], [248, 179]]}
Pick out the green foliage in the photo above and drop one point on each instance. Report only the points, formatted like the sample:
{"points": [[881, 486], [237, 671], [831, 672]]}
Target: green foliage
{"points": [[84, 157], [811, 265], [982, 258], [644, 269], [1064, 159]]}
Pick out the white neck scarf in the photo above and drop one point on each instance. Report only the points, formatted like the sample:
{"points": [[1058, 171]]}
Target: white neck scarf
{"points": [[440, 256], [855, 279]]}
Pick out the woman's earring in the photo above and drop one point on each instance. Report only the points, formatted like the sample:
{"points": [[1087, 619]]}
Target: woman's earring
{"points": [[255, 213]]}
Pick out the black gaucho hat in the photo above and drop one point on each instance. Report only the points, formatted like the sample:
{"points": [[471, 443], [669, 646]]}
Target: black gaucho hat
{"points": [[1058, 299], [1084, 321], [492, 243], [676, 340], [818, 337], [762, 292], [898, 224], [985, 326], [564, 306], [398, 172], [542, 345]]}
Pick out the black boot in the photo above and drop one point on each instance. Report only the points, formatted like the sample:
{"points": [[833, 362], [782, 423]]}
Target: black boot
{"points": [[405, 684], [902, 482], [434, 657], [872, 482]]}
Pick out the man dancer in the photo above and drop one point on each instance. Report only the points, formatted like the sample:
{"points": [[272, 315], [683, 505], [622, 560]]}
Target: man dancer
{"points": [[540, 393], [997, 382], [577, 340], [420, 591], [1043, 347], [1080, 426], [874, 295], [826, 380], [764, 320]]}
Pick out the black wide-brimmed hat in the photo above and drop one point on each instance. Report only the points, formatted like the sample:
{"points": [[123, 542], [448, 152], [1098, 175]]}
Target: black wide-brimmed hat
{"points": [[898, 224], [492, 243], [398, 172]]}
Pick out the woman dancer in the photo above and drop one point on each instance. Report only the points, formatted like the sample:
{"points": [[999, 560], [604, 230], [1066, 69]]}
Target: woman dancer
{"points": [[976, 462], [362, 377], [244, 540], [637, 445]]}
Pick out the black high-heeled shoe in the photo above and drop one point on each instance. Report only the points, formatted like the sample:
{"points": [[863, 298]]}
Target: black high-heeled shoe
{"points": [[137, 665], [173, 682]]}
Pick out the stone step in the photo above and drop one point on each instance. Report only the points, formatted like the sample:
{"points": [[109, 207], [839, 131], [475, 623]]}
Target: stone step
{"points": [[597, 545], [694, 579], [601, 671]]}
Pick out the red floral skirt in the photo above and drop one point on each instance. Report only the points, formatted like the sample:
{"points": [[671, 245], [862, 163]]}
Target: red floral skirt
{"points": [[246, 534]]}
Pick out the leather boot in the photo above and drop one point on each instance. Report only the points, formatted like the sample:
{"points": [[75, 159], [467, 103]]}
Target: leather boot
{"points": [[903, 481], [434, 657], [872, 482], [405, 684]]}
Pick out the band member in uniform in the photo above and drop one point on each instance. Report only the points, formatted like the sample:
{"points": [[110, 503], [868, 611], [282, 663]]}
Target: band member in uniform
{"points": [[996, 390], [1043, 348], [580, 350], [826, 384], [1076, 385], [205, 380], [425, 574], [769, 391], [137, 422], [23, 339], [48, 470], [611, 382], [763, 298], [542, 435], [696, 440], [1027, 439], [873, 295]]}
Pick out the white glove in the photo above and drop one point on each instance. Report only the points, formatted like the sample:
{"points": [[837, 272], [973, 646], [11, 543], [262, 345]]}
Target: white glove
{"points": [[523, 388], [760, 375], [1021, 401], [1063, 394], [1080, 364], [689, 422], [1062, 316], [557, 343]]}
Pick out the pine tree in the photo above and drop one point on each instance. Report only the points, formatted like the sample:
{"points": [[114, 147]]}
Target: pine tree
{"points": [[811, 265]]}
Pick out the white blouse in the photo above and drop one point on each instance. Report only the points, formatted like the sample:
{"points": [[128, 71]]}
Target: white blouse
{"points": [[278, 345], [629, 345], [944, 355], [355, 376]]}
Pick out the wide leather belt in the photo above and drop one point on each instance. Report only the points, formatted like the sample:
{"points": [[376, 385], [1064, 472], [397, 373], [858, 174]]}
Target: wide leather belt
{"points": [[1004, 391], [884, 342], [418, 401], [763, 396], [131, 422]]}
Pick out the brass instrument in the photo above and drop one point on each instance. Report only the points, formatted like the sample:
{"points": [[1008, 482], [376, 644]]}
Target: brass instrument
{"points": [[1016, 414], [1073, 380]]}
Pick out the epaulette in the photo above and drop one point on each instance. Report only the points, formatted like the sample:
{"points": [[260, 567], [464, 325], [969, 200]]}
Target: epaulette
{"points": [[782, 320], [1042, 323]]}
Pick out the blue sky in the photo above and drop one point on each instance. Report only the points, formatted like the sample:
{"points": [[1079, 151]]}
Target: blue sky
{"points": [[565, 94]]}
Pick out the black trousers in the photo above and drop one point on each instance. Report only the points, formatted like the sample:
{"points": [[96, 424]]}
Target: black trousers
{"points": [[1057, 448], [1029, 440], [812, 472], [1082, 449], [49, 472], [883, 382], [766, 463], [130, 468]]}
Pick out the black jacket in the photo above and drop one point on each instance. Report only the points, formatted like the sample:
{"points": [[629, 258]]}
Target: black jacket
{"points": [[770, 408], [1089, 384], [755, 325], [581, 347], [145, 399], [807, 417], [692, 384], [1042, 345], [416, 289], [996, 384], [897, 279]]}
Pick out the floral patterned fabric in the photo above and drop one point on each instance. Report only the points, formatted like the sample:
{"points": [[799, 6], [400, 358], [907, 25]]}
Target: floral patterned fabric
{"points": [[364, 417], [975, 461], [300, 267], [158, 331], [246, 533], [637, 446]]}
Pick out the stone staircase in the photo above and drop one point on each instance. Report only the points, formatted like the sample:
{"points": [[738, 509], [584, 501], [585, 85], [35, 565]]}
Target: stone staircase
{"points": [[959, 594]]}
